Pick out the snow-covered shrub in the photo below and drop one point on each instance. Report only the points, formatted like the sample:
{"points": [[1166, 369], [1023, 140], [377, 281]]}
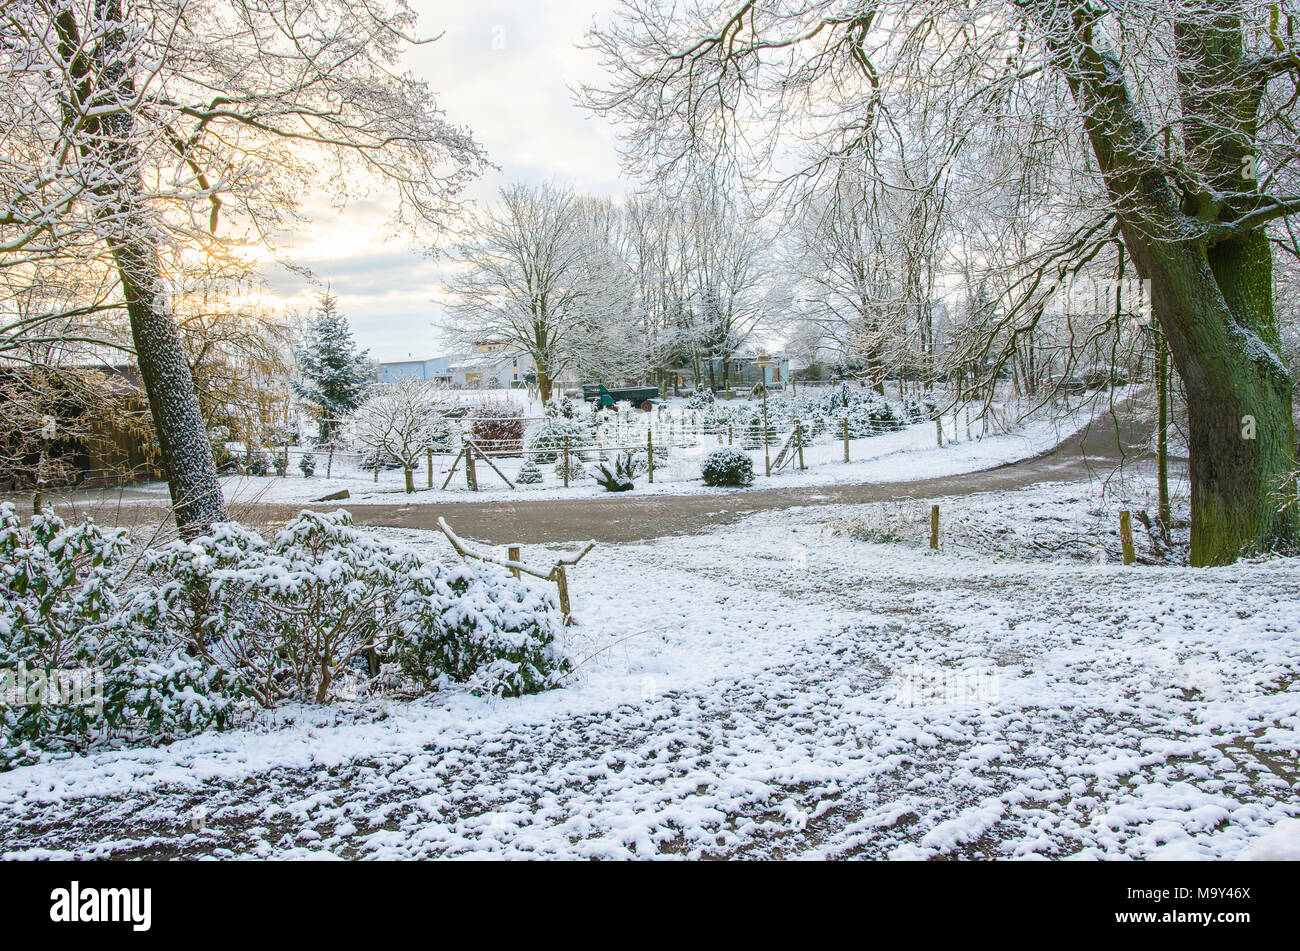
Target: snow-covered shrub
{"points": [[86, 664], [564, 420], [231, 616], [257, 462], [294, 614], [529, 473], [618, 479], [919, 410], [749, 429], [576, 470], [1101, 377], [640, 459], [728, 466], [481, 629], [281, 465], [866, 412], [497, 427], [702, 399], [307, 465]]}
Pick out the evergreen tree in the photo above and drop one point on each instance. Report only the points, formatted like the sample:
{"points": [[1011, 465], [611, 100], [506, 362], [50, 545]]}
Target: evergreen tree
{"points": [[335, 376]]}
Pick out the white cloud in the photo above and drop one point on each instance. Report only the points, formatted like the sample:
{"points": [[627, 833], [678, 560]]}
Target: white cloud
{"points": [[505, 70]]}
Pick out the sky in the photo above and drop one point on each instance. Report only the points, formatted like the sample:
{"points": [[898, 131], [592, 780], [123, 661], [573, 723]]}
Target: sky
{"points": [[505, 69]]}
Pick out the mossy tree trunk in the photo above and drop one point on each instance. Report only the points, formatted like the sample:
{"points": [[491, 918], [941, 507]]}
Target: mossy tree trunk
{"points": [[1196, 235]]}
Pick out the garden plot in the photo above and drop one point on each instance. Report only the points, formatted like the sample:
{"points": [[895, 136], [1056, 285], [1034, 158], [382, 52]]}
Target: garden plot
{"points": [[772, 688], [907, 454]]}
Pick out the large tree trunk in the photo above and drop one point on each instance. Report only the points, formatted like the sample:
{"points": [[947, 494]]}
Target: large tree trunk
{"points": [[165, 374], [1211, 283], [543, 384], [1241, 434], [164, 368]]}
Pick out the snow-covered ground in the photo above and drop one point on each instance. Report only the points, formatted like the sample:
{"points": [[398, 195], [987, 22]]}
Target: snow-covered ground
{"points": [[777, 688]]}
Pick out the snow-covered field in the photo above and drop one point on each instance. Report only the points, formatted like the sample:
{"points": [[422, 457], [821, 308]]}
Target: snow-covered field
{"points": [[909, 454], [777, 688]]}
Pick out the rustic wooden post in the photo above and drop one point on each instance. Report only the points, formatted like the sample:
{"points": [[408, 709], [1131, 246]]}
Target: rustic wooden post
{"points": [[429, 463], [512, 553], [846, 439], [1126, 537], [471, 477], [566, 460], [562, 587], [650, 454], [934, 527], [798, 441], [286, 462]]}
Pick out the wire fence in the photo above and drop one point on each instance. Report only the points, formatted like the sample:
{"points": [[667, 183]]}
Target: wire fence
{"points": [[665, 446]]}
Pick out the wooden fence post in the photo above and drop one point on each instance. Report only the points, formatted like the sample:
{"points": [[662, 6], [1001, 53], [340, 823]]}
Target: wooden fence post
{"points": [[934, 527], [512, 553], [566, 461], [650, 454], [798, 441], [429, 462], [471, 477], [562, 588], [846, 439], [1126, 537]]}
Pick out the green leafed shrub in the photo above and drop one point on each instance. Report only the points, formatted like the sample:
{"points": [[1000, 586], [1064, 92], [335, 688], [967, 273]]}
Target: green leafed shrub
{"points": [[728, 466]]}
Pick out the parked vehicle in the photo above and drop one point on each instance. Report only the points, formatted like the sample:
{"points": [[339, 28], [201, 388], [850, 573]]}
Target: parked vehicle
{"points": [[642, 396]]}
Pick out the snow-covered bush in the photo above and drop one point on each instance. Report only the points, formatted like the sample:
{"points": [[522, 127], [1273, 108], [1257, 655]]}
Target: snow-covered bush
{"points": [[749, 429], [564, 420], [618, 479], [497, 427], [481, 629], [294, 615], [257, 462], [77, 663], [866, 412], [919, 410], [576, 470], [703, 399], [640, 459], [529, 473], [228, 617], [307, 465], [728, 466], [1101, 377]]}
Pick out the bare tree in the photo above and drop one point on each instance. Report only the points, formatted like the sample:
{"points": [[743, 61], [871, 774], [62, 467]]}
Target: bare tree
{"points": [[1165, 125], [537, 279], [726, 270], [133, 128], [401, 422]]}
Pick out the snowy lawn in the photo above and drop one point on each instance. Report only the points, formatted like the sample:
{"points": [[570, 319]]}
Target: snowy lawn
{"points": [[909, 454], [772, 688]]}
